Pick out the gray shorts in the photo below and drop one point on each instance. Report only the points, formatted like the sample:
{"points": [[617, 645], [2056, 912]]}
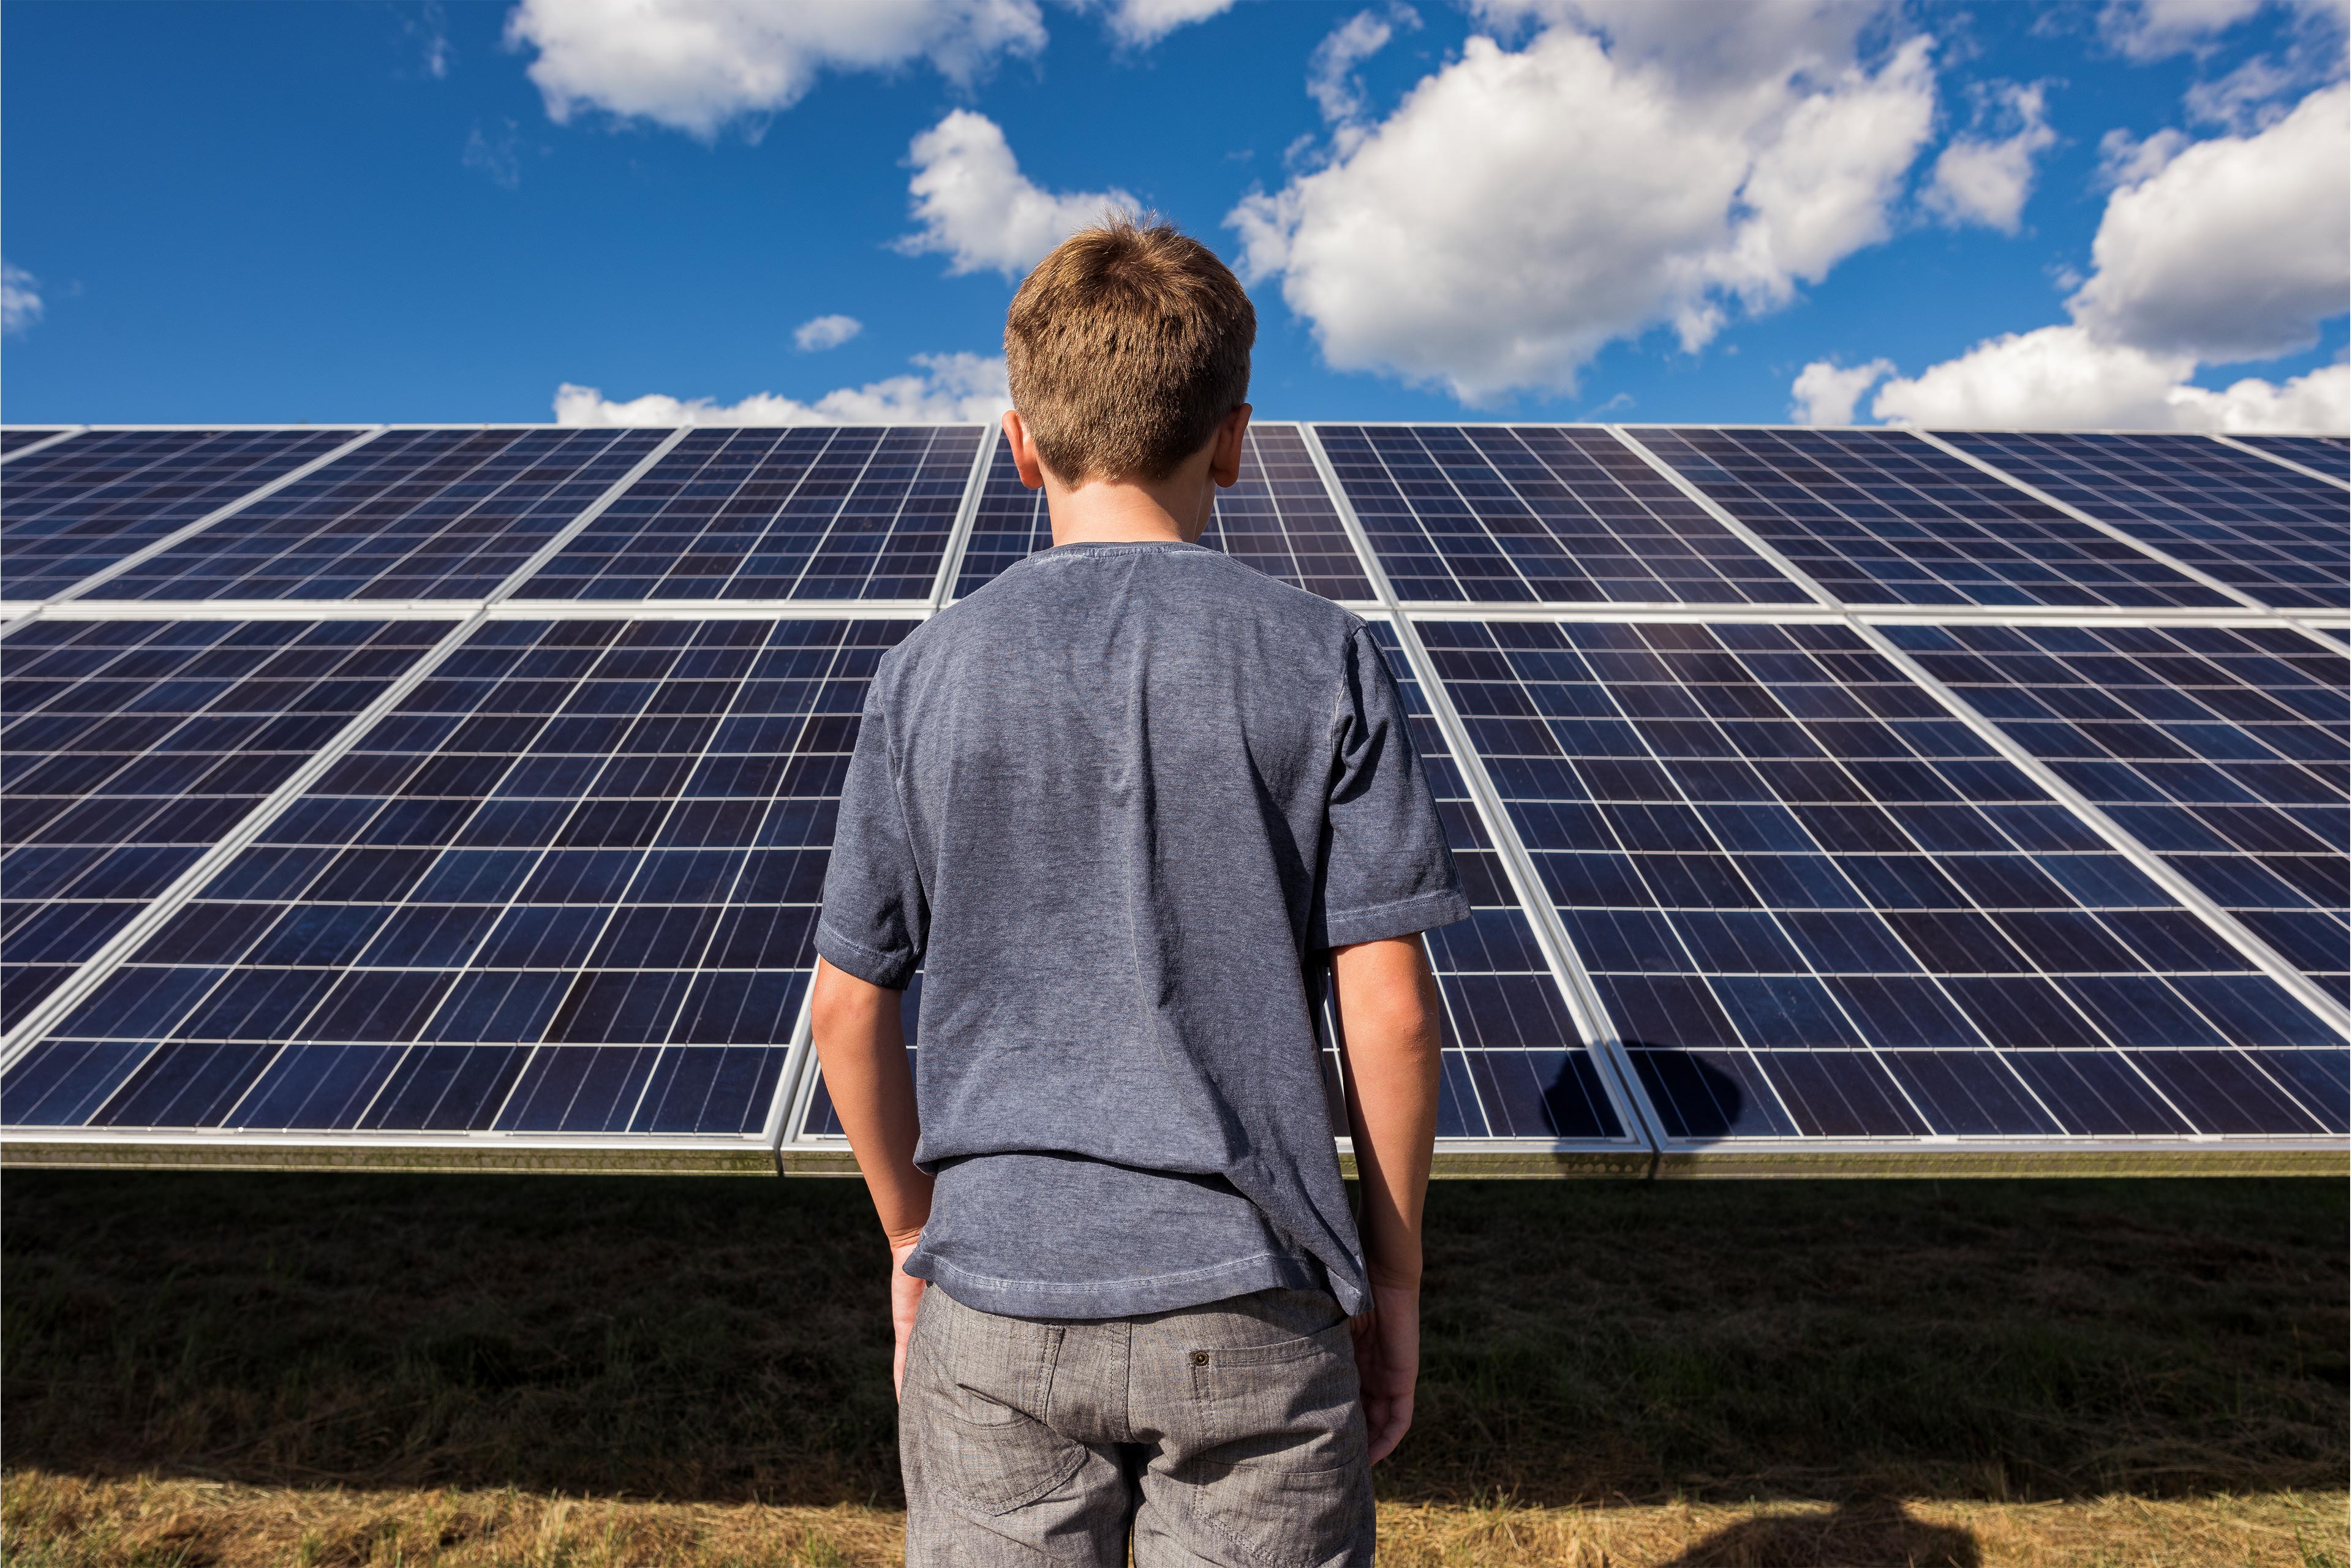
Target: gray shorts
{"points": [[1226, 1434]]}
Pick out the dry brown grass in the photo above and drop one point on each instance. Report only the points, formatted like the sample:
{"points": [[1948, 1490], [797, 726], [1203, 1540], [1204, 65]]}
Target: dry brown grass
{"points": [[65, 1521]]}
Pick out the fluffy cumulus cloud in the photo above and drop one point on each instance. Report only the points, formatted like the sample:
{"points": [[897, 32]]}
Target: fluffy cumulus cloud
{"points": [[20, 297], [698, 65], [1627, 165], [2180, 280], [2234, 248], [947, 388], [974, 206], [821, 332], [1137, 23], [2058, 377], [1825, 392], [1984, 180]]}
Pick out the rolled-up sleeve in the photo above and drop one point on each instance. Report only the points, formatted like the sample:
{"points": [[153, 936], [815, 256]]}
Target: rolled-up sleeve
{"points": [[875, 920], [1386, 870]]}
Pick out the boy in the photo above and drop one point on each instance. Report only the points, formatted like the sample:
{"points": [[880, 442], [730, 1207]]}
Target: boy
{"points": [[1119, 804]]}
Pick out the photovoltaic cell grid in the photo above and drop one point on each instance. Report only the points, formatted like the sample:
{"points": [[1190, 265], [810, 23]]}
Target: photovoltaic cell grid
{"points": [[2224, 750], [2329, 454], [16, 435], [85, 504], [856, 513], [566, 887], [413, 514], [2264, 530], [1819, 906], [127, 748], [1514, 1065], [1880, 517], [1547, 513], [1277, 517]]}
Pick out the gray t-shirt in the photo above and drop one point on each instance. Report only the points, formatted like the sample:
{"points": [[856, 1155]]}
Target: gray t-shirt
{"points": [[1115, 805]]}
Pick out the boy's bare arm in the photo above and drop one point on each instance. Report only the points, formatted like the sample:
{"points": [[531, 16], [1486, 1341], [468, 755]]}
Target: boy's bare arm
{"points": [[1387, 1003], [855, 1025]]}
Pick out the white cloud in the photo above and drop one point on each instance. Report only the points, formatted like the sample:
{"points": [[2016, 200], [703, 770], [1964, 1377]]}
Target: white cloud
{"points": [[2063, 377], [2126, 159], [821, 332], [1330, 70], [697, 65], [1137, 23], [2150, 29], [20, 297], [951, 388], [1825, 391], [978, 210], [1984, 181], [1522, 208], [2235, 249], [496, 155]]}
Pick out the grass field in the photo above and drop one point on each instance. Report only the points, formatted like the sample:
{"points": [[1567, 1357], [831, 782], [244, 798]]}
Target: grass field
{"points": [[367, 1370]]}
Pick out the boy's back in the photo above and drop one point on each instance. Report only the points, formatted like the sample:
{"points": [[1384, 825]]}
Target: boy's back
{"points": [[1133, 788]]}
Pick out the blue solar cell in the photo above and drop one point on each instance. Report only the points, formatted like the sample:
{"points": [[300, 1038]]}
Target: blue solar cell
{"points": [[808, 513], [1276, 517], [1880, 517], [1564, 513], [616, 964], [16, 436], [127, 748], [84, 504], [2328, 454], [2223, 749], [2260, 527], [413, 514], [1861, 969]]}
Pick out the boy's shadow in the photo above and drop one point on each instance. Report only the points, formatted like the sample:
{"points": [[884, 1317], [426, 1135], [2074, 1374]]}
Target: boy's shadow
{"points": [[1872, 1532]]}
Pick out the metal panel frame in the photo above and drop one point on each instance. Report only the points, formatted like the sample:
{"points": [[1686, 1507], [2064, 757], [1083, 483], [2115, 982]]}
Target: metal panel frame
{"points": [[2269, 456], [43, 445]]}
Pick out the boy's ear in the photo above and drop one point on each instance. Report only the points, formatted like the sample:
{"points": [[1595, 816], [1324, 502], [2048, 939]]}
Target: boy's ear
{"points": [[1225, 447], [1024, 451]]}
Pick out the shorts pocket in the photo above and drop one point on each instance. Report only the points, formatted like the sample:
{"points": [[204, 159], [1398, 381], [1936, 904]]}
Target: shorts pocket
{"points": [[985, 1378], [1279, 1471]]}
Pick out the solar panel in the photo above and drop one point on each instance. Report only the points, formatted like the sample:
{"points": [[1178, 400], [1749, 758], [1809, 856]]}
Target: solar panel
{"points": [[1880, 517], [1820, 907], [1277, 517], [2329, 454], [129, 748], [1524, 513], [14, 436], [86, 503], [413, 514], [2263, 528], [2223, 749], [565, 888], [854, 512], [553, 908]]}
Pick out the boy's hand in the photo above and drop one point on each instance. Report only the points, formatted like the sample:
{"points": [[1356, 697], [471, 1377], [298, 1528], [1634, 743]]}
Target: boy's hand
{"points": [[1388, 1362], [906, 1295]]}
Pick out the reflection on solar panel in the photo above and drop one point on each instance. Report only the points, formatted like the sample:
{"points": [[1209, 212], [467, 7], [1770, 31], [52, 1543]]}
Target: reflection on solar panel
{"points": [[1819, 906], [857, 512], [1275, 517], [2264, 530], [2222, 750], [2329, 454], [131, 747], [84, 504], [1514, 1065], [566, 887], [16, 435], [1880, 517], [1537, 512], [553, 908], [413, 514]]}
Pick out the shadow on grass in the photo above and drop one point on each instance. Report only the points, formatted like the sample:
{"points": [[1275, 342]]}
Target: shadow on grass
{"points": [[1589, 1342], [1872, 1530]]}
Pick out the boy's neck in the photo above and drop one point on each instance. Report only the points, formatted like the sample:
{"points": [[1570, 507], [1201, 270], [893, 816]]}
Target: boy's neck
{"points": [[1173, 511]]}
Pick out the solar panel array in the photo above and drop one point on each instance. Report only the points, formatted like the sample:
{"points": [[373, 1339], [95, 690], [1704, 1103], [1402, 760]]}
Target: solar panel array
{"points": [[1859, 800]]}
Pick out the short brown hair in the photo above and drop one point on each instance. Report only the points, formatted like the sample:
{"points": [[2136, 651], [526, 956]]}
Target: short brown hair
{"points": [[1125, 347]]}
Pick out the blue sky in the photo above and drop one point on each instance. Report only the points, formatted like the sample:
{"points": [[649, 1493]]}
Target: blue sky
{"points": [[1549, 210]]}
